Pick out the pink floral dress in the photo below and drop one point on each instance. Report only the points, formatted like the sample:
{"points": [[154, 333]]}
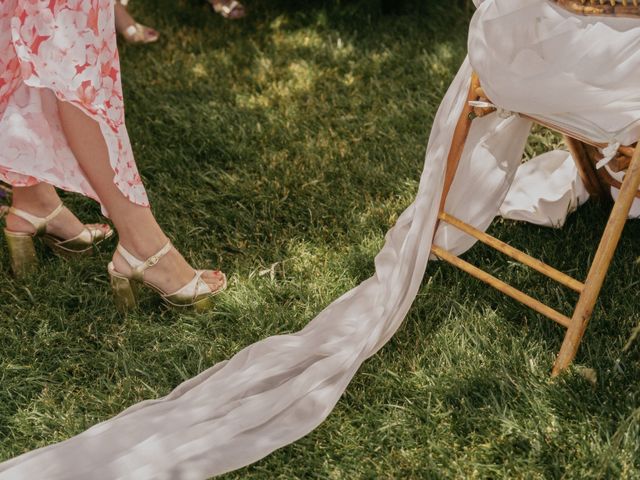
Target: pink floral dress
{"points": [[64, 49]]}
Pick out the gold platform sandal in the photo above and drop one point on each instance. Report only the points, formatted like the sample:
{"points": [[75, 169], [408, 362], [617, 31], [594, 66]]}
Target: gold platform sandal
{"points": [[196, 293], [21, 247]]}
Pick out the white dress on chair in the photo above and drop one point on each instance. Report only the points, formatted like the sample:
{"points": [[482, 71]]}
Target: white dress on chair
{"points": [[279, 389], [579, 73]]}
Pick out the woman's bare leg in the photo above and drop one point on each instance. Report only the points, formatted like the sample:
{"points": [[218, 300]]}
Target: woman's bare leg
{"points": [[136, 226], [122, 17]]}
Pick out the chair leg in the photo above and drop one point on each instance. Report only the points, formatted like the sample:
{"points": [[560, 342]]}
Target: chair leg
{"points": [[460, 135], [600, 265]]}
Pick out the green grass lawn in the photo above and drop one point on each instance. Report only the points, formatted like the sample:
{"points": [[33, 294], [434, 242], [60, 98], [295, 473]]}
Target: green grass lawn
{"points": [[281, 149]]}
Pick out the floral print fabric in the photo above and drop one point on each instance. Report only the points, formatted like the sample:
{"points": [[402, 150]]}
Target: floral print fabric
{"points": [[65, 49]]}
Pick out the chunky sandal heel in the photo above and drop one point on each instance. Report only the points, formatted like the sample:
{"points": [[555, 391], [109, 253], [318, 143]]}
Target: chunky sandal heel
{"points": [[125, 291], [22, 253]]}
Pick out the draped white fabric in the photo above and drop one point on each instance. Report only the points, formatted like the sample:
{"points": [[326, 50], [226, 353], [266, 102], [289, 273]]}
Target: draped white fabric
{"points": [[579, 73], [531, 58], [544, 190]]}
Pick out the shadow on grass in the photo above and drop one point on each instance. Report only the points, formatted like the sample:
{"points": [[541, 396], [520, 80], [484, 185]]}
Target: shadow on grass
{"points": [[281, 149]]}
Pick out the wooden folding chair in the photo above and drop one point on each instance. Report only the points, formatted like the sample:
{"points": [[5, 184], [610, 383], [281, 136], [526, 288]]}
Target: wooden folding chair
{"points": [[598, 183]]}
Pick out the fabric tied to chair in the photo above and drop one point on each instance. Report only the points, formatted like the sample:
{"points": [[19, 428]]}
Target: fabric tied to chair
{"points": [[609, 153], [502, 113], [533, 58]]}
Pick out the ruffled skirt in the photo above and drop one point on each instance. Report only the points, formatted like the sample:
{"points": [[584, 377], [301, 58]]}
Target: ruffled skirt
{"points": [[66, 50]]}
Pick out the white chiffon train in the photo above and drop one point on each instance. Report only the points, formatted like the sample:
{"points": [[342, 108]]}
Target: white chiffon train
{"points": [[279, 389]]}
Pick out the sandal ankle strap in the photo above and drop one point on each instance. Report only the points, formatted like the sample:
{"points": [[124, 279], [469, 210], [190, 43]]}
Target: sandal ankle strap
{"points": [[138, 267], [132, 31], [39, 223]]}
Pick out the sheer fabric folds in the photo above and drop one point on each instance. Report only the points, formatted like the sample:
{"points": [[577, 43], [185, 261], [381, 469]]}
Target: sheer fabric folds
{"points": [[277, 390], [579, 73]]}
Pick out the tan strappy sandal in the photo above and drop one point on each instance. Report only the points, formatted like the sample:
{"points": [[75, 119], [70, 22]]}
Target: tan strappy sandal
{"points": [[138, 33], [21, 246], [196, 293], [132, 31], [233, 10]]}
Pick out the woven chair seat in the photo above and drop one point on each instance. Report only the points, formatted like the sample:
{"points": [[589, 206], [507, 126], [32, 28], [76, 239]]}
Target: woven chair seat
{"points": [[612, 8]]}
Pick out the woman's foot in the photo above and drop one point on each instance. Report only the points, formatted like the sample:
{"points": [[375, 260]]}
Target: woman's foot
{"points": [[231, 9], [40, 201], [132, 31], [172, 271], [142, 237], [138, 230]]}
